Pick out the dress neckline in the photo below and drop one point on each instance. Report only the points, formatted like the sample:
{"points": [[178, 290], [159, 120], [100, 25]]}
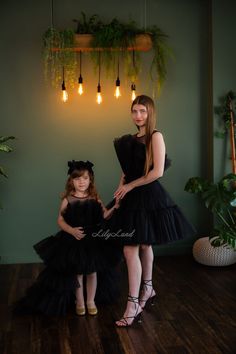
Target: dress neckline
{"points": [[79, 197]]}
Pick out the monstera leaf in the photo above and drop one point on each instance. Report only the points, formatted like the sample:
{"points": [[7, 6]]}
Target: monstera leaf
{"points": [[5, 148], [220, 198]]}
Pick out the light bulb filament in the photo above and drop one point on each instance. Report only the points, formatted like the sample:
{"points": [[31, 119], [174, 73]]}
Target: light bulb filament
{"points": [[99, 98], [117, 92], [133, 94], [64, 92], [80, 89], [64, 96]]}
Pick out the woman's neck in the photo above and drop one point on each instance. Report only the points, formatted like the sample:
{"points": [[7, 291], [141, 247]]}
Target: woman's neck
{"points": [[142, 131]]}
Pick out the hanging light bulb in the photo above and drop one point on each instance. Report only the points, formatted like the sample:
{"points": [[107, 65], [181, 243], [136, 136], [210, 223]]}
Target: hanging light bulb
{"points": [[133, 93], [99, 95], [117, 91], [133, 87], [64, 96], [80, 80], [80, 88]]}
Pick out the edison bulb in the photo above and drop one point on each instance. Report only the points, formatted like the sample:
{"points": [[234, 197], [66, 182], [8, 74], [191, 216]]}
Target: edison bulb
{"points": [[117, 92], [64, 96], [99, 98], [80, 89], [133, 95]]}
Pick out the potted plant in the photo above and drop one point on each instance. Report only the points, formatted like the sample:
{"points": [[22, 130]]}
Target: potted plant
{"points": [[225, 111], [220, 198], [113, 39], [5, 148]]}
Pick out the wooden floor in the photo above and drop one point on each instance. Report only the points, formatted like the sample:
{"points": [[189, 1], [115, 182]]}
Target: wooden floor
{"points": [[195, 313]]}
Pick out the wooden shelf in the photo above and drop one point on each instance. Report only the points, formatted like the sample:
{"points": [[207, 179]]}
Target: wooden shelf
{"points": [[143, 42]]}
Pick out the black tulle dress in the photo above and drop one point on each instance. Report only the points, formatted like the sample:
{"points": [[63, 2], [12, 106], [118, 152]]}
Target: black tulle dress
{"points": [[147, 213], [64, 257]]}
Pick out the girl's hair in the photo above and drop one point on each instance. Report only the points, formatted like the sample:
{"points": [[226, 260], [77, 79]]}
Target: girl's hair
{"points": [[149, 129], [70, 190]]}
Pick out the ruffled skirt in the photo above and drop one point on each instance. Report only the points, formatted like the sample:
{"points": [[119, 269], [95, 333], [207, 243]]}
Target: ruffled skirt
{"points": [[53, 292], [148, 215]]}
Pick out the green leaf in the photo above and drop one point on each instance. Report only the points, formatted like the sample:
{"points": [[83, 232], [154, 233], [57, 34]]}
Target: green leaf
{"points": [[3, 139], [3, 173], [5, 148]]}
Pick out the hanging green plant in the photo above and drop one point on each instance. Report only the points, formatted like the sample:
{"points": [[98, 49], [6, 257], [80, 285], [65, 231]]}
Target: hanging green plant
{"points": [[223, 112], [56, 55], [5, 148], [113, 39]]}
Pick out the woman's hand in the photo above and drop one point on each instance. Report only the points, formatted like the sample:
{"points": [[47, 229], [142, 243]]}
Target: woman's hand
{"points": [[78, 233], [122, 190]]}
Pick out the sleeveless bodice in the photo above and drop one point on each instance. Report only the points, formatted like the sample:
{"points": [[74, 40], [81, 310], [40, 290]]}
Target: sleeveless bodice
{"points": [[131, 153], [83, 212]]}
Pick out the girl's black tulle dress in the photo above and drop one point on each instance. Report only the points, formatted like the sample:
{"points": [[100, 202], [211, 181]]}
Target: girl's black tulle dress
{"points": [[53, 292], [147, 214]]}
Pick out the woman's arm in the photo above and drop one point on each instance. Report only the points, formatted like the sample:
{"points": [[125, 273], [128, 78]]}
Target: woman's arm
{"points": [[77, 232], [158, 148]]}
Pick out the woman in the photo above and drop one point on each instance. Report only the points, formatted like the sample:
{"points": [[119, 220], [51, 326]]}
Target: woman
{"points": [[147, 215]]}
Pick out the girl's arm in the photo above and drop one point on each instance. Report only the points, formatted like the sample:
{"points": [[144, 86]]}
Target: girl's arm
{"points": [[122, 179], [108, 212], [158, 148], [77, 232]]}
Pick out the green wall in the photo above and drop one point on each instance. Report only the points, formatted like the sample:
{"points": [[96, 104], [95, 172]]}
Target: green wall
{"points": [[50, 133], [224, 74]]}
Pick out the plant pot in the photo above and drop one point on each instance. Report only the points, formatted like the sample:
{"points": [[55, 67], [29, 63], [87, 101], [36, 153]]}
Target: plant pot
{"points": [[205, 253], [83, 42]]}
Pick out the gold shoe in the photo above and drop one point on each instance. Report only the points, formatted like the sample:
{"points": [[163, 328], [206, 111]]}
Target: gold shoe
{"points": [[80, 310], [92, 310]]}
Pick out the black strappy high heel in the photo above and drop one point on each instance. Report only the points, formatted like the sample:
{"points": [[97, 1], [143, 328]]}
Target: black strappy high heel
{"points": [[151, 298], [137, 317]]}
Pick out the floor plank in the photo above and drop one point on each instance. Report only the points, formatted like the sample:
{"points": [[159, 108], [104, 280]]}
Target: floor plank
{"points": [[195, 313]]}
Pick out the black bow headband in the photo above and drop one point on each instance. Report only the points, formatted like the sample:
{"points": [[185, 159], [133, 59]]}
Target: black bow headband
{"points": [[80, 165]]}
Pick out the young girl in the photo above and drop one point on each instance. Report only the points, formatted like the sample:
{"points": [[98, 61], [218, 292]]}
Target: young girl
{"points": [[73, 256], [146, 210]]}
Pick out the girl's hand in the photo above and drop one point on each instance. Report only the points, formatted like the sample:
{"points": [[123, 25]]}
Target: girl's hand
{"points": [[78, 233], [117, 203], [122, 190]]}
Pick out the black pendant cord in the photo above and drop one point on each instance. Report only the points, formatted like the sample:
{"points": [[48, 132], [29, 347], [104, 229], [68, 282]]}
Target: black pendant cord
{"points": [[80, 62], [145, 15], [63, 79], [99, 67], [118, 66], [52, 14], [134, 61]]}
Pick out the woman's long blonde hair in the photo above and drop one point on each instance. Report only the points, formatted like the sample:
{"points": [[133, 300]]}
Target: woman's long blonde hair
{"points": [[149, 129]]}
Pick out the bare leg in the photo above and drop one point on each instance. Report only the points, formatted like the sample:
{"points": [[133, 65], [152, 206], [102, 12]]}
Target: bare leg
{"points": [[131, 254], [146, 256], [80, 292], [91, 287]]}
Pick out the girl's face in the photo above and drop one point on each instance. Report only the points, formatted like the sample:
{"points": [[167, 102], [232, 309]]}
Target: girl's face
{"points": [[139, 115], [81, 183]]}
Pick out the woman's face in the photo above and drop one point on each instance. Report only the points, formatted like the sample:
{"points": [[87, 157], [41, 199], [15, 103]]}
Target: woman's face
{"points": [[139, 115], [81, 183]]}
